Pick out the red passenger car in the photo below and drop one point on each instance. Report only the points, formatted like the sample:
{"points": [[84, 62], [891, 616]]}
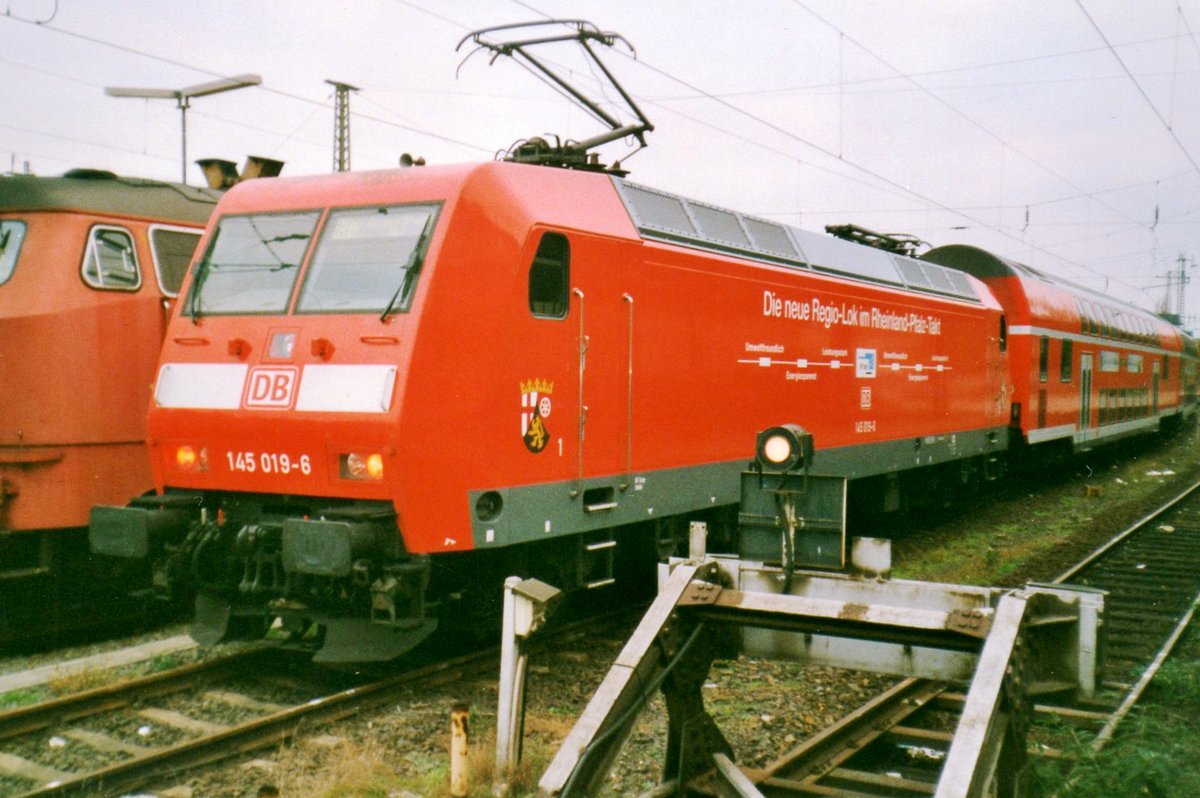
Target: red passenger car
{"points": [[89, 264], [383, 392], [1087, 368]]}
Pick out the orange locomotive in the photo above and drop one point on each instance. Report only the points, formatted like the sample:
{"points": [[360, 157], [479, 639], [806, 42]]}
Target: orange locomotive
{"points": [[89, 264], [383, 392]]}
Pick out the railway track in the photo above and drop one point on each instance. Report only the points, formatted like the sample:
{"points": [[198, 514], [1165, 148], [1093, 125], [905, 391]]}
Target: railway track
{"points": [[146, 731], [895, 744], [150, 729]]}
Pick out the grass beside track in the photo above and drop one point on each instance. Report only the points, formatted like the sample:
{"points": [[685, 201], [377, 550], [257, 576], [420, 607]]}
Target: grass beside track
{"points": [[1154, 753]]}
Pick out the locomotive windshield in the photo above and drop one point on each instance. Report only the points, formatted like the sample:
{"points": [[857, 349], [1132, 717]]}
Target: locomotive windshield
{"points": [[251, 264], [366, 260], [12, 235]]}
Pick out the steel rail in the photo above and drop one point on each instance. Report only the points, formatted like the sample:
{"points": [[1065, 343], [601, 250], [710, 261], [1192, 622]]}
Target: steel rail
{"points": [[270, 729], [69, 708], [1134, 693], [1129, 531], [821, 759]]}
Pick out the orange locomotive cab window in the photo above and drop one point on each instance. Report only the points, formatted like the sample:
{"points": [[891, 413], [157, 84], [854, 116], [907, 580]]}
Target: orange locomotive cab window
{"points": [[550, 278], [367, 259], [12, 235], [251, 264], [172, 248], [110, 261]]}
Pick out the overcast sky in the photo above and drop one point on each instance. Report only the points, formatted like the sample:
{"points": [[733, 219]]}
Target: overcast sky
{"points": [[1061, 133]]}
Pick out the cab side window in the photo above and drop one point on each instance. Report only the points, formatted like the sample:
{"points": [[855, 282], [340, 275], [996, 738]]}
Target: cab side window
{"points": [[12, 235], [172, 249], [110, 261], [550, 278]]}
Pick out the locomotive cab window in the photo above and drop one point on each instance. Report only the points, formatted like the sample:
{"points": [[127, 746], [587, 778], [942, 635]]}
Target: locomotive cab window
{"points": [[12, 235], [367, 260], [110, 262], [251, 264], [172, 249], [549, 278]]}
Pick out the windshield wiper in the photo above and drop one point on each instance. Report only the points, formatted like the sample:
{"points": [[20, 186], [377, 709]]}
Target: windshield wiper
{"points": [[410, 270]]}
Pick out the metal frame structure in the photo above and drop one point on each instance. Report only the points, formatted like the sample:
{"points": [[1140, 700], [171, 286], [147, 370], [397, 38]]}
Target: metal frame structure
{"points": [[570, 154], [341, 125], [1007, 644], [183, 98]]}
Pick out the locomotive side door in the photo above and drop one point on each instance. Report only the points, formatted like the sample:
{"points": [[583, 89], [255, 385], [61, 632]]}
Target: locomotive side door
{"points": [[602, 324], [575, 404], [576, 398], [1085, 391], [1154, 388]]}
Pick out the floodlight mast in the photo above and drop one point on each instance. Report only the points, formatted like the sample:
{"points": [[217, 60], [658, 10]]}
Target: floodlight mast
{"points": [[570, 154], [183, 98]]}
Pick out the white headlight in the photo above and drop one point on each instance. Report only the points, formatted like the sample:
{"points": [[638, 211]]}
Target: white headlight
{"points": [[777, 449]]}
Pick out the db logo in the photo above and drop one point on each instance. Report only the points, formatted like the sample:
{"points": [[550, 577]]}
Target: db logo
{"points": [[270, 388]]}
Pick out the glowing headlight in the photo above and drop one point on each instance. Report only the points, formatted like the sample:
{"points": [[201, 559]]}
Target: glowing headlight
{"points": [[784, 448], [362, 466], [777, 449], [188, 458]]}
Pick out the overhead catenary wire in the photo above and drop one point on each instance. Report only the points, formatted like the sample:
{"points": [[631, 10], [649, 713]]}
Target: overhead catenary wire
{"points": [[1138, 86], [953, 108], [877, 176], [270, 90], [809, 163]]}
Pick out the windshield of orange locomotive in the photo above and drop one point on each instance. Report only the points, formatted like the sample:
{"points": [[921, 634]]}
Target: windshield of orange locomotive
{"points": [[367, 259], [251, 264], [12, 235]]}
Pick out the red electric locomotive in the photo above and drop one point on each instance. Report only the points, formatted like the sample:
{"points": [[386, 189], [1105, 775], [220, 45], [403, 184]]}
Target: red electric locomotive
{"points": [[1087, 368], [383, 392], [89, 264]]}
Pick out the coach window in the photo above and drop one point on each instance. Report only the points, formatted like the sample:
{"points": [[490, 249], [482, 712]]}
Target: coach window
{"points": [[549, 278], [110, 261], [1068, 364], [12, 235], [1043, 358], [172, 249]]}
